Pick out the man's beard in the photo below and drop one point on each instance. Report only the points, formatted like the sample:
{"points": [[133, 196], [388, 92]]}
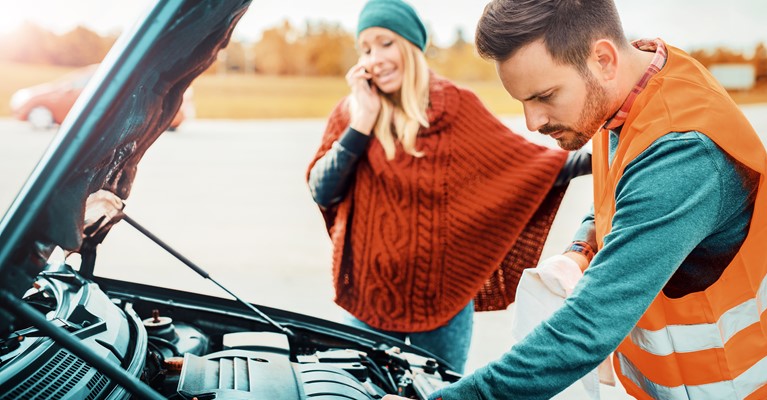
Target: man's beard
{"points": [[594, 114]]}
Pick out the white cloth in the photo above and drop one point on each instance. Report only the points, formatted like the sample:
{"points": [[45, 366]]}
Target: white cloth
{"points": [[541, 291]]}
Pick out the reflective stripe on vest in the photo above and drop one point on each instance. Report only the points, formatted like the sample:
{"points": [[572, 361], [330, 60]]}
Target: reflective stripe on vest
{"points": [[697, 337], [739, 388]]}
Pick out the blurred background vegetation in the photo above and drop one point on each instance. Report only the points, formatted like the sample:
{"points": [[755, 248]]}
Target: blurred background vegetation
{"points": [[290, 72]]}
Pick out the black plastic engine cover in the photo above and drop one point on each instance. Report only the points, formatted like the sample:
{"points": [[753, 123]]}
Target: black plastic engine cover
{"points": [[41, 369], [244, 374]]}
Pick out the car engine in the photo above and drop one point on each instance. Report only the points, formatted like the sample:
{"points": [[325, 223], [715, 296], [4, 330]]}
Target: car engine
{"points": [[189, 346]]}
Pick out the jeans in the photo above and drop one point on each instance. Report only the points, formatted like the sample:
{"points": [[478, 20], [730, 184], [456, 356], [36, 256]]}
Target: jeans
{"points": [[449, 342]]}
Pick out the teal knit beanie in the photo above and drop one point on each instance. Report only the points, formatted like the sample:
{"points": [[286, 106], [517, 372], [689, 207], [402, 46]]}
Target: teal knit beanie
{"points": [[396, 16]]}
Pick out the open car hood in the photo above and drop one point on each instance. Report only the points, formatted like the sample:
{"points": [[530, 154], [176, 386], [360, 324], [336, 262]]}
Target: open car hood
{"points": [[130, 101], [66, 333]]}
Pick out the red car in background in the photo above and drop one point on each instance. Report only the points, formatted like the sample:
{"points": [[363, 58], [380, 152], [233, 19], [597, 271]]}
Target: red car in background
{"points": [[47, 104]]}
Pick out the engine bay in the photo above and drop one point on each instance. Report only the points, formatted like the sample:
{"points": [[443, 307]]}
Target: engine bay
{"points": [[186, 346]]}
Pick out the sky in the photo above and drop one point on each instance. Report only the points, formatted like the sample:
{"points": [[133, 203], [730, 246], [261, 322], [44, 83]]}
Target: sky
{"points": [[689, 24]]}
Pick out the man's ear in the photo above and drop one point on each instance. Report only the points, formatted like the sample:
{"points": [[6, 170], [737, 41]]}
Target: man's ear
{"points": [[604, 55]]}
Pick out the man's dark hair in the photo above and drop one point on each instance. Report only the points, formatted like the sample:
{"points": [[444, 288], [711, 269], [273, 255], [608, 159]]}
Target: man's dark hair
{"points": [[568, 28]]}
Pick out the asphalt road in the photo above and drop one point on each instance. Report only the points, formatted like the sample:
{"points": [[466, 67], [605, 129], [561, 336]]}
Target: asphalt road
{"points": [[230, 196]]}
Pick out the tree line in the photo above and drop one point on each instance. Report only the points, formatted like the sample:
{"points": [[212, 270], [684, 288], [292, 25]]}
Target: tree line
{"points": [[317, 49], [31, 44]]}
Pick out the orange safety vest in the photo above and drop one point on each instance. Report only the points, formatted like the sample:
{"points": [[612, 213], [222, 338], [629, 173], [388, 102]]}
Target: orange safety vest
{"points": [[710, 344]]}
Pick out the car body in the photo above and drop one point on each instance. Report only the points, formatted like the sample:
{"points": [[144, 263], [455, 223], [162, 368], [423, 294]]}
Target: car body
{"points": [[68, 333], [47, 104]]}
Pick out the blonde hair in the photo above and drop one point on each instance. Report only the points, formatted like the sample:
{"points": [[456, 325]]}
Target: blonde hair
{"points": [[403, 113]]}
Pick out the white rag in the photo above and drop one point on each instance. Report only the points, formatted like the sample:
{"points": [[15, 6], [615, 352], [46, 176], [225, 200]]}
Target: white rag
{"points": [[541, 291]]}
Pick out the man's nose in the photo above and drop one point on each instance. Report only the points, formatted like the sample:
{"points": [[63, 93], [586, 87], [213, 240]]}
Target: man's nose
{"points": [[535, 118]]}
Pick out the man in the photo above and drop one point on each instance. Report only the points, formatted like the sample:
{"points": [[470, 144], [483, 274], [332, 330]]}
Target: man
{"points": [[677, 287]]}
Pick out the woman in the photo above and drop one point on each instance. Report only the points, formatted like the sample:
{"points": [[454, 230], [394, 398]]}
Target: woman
{"points": [[433, 205]]}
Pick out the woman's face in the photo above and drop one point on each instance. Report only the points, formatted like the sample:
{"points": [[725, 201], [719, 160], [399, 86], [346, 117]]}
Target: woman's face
{"points": [[381, 57]]}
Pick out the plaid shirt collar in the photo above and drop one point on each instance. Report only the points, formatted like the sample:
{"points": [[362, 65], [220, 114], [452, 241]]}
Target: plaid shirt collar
{"points": [[657, 46]]}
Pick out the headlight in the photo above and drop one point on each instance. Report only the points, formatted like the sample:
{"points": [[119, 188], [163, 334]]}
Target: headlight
{"points": [[19, 98]]}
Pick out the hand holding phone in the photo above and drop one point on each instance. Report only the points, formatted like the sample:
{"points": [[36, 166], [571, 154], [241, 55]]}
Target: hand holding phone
{"points": [[365, 103]]}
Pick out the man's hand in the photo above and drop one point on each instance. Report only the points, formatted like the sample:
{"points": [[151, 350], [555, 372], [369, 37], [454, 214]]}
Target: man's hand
{"points": [[559, 274], [579, 259], [394, 397]]}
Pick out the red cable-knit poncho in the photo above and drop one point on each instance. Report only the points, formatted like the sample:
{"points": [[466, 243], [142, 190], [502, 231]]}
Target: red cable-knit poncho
{"points": [[415, 239]]}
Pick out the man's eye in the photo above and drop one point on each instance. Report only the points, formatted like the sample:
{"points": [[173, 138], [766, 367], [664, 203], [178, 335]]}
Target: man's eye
{"points": [[545, 97]]}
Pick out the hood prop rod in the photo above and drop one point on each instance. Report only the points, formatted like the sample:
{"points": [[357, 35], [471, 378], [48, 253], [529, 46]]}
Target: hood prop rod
{"points": [[206, 275]]}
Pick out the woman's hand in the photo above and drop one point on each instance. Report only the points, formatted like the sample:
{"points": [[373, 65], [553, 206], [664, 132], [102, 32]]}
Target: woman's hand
{"points": [[364, 101]]}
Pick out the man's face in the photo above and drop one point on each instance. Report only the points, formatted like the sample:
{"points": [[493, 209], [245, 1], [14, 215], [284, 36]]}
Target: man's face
{"points": [[558, 100]]}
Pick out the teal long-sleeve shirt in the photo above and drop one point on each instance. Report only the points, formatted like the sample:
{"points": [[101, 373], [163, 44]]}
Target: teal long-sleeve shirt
{"points": [[682, 211]]}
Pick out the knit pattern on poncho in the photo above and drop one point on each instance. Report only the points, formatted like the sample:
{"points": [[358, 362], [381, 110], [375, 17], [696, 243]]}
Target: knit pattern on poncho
{"points": [[415, 239]]}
